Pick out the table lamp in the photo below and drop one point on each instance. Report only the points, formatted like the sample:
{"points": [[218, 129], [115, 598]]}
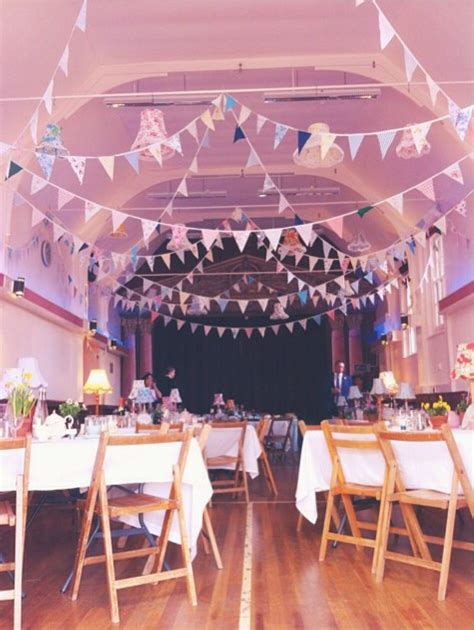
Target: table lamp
{"points": [[136, 386], [97, 384], [175, 396], [464, 368], [218, 400], [405, 393], [378, 390], [354, 393], [389, 382]]}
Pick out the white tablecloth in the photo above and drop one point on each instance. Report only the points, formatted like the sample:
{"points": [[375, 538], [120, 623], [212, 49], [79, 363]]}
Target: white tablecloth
{"points": [[425, 466], [226, 442], [65, 464]]}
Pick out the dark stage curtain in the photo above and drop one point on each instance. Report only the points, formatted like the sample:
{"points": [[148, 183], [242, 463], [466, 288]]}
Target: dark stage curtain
{"points": [[276, 374]]}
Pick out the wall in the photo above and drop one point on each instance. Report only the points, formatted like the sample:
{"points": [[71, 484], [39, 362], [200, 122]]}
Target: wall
{"points": [[97, 355]]}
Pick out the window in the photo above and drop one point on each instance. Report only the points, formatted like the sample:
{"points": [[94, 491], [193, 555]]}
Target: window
{"points": [[437, 276], [409, 334]]}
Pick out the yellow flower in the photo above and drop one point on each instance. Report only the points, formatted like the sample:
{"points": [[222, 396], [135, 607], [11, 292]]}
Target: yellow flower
{"points": [[27, 375]]}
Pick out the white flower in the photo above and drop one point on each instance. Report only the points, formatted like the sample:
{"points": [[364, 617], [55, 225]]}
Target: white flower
{"points": [[69, 401]]}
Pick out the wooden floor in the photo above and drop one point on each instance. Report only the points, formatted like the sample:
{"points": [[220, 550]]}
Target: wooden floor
{"points": [[287, 586]]}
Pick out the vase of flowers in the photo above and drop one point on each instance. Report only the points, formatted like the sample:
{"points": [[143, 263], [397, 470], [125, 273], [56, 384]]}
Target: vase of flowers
{"points": [[20, 401], [69, 410], [461, 408], [438, 412]]}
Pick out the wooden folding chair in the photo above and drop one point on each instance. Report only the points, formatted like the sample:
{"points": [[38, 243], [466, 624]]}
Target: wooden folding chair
{"points": [[224, 486], [342, 437], [397, 492], [137, 503], [17, 520], [162, 428], [276, 443], [262, 429]]}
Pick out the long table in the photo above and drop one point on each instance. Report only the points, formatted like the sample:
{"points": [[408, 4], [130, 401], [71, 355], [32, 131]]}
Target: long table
{"points": [[425, 466], [66, 464]]}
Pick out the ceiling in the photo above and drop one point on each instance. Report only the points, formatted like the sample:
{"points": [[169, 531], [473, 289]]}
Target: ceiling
{"points": [[233, 47]]}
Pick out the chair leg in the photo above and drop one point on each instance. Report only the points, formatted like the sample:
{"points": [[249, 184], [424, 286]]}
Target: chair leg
{"points": [[326, 526], [447, 547], [81, 550], [212, 538], [19, 548], [190, 585], [205, 543], [246, 486], [109, 555], [383, 542], [268, 473], [299, 523]]}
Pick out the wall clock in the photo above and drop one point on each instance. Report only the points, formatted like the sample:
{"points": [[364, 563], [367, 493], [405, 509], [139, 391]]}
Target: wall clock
{"points": [[46, 253]]}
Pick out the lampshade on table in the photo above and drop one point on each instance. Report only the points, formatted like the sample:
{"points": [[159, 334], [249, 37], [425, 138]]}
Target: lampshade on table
{"points": [[97, 383], [30, 366], [354, 393], [405, 392], [389, 382], [378, 388]]}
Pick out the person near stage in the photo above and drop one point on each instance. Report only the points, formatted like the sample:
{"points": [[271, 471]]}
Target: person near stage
{"points": [[150, 384], [338, 384]]}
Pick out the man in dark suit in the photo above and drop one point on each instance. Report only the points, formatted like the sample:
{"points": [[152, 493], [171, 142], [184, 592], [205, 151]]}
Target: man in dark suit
{"points": [[338, 384]]}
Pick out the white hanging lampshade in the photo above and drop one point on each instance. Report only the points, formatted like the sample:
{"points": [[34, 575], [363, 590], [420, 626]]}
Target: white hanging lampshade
{"points": [[197, 306], [279, 312], [310, 154], [406, 148], [359, 243], [152, 130], [179, 239], [30, 366]]}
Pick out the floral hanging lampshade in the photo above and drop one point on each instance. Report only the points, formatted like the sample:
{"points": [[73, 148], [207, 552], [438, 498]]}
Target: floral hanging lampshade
{"points": [[179, 239], [406, 149], [291, 244], [359, 243], [310, 155], [152, 131], [52, 141]]}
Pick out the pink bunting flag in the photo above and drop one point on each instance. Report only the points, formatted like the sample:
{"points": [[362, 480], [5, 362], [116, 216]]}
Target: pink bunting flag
{"points": [[427, 189], [336, 225], [454, 171]]}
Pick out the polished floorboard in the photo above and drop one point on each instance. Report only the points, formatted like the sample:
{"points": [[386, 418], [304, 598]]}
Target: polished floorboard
{"points": [[287, 586]]}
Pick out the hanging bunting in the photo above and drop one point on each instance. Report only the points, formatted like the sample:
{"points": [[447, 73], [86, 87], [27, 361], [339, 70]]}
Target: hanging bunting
{"points": [[117, 219], [133, 160], [48, 97], [230, 103], [81, 18], [282, 203], [37, 184], [303, 137], [355, 140], [46, 162], [36, 217], [64, 197], [462, 122], [261, 120], [419, 133], [13, 169], [427, 189], [273, 235], [174, 142], [397, 202], [241, 237], [268, 183], [385, 139], [183, 188], [194, 168], [305, 231], [64, 61], [386, 30], [327, 140], [410, 63], [208, 237], [108, 162], [336, 225], [244, 114], [455, 173], [433, 88], [78, 165], [252, 159], [91, 209], [238, 134], [364, 210], [280, 132]]}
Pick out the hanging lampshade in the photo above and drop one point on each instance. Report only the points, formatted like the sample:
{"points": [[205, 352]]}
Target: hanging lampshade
{"points": [[197, 306], [279, 312], [359, 243], [52, 141], [179, 239], [406, 149], [310, 155], [152, 130], [291, 243]]}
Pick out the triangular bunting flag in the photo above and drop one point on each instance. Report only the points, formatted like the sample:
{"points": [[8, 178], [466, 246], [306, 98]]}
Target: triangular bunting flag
{"points": [[280, 132], [91, 209], [252, 159], [194, 168], [305, 231], [133, 160], [183, 188], [327, 140], [241, 237], [244, 114], [64, 61], [108, 162], [36, 216], [206, 118], [13, 169], [238, 134], [441, 225], [268, 183], [419, 133], [37, 184], [155, 150], [303, 137], [193, 131], [78, 165], [386, 30], [385, 139], [410, 63], [355, 140], [81, 18], [282, 203], [427, 189], [261, 120], [148, 228], [397, 202], [117, 219], [433, 88], [455, 173], [230, 103], [64, 197], [46, 162], [208, 237], [336, 225], [273, 235], [48, 97]]}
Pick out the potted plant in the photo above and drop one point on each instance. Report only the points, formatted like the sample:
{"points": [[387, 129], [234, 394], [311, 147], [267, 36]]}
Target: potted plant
{"points": [[69, 410], [20, 401], [438, 412], [371, 413], [461, 408]]}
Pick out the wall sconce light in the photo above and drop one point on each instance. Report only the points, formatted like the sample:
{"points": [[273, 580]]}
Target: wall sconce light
{"points": [[19, 287], [404, 322], [92, 327], [113, 344], [384, 340]]}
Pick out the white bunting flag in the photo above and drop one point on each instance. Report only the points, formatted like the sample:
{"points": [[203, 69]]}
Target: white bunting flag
{"points": [[174, 142], [397, 202], [208, 237], [78, 165], [461, 208], [386, 31], [57, 232], [455, 173], [419, 133], [194, 168], [155, 150], [355, 140], [48, 97], [261, 120], [220, 331], [34, 126], [36, 216], [117, 219], [263, 304], [146, 285], [433, 88], [183, 188], [91, 209], [252, 159], [108, 162], [193, 131], [64, 61], [327, 140], [385, 139], [427, 189], [280, 133], [165, 259], [441, 225], [81, 18], [273, 235], [268, 183], [148, 229], [37, 184], [326, 248], [244, 114], [169, 209], [336, 225], [420, 238], [410, 63], [181, 254], [241, 237], [305, 231]]}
